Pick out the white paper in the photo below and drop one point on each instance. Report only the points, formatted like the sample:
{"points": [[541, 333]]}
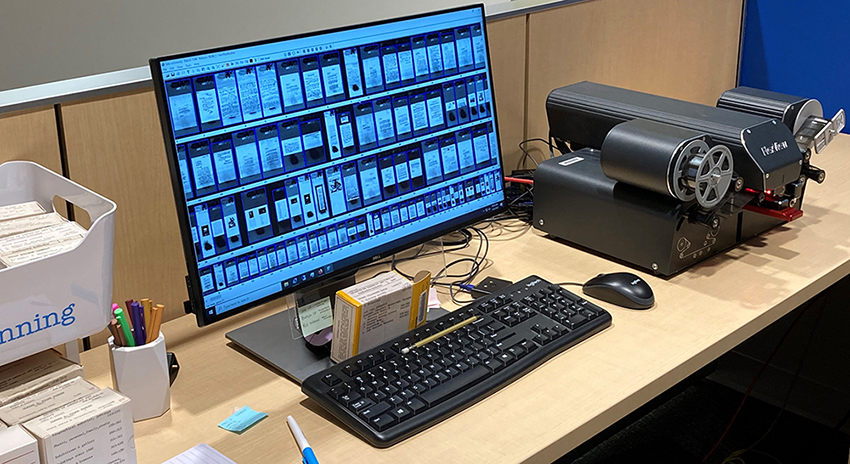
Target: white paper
{"points": [[405, 65], [270, 149], [208, 105], [333, 80], [200, 454], [202, 168], [420, 116], [224, 168], [432, 164], [248, 160], [402, 119], [366, 129], [228, 98], [352, 72], [464, 148], [267, 78], [449, 155], [391, 68], [249, 94], [420, 61], [435, 111], [479, 49], [464, 52], [435, 61], [384, 121], [449, 60], [312, 85], [182, 111], [372, 69], [482, 149], [291, 86]]}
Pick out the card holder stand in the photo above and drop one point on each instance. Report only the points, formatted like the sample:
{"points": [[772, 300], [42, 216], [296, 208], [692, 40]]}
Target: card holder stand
{"points": [[64, 297]]}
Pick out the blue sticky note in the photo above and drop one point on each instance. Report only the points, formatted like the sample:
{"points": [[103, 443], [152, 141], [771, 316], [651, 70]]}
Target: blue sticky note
{"points": [[242, 419]]}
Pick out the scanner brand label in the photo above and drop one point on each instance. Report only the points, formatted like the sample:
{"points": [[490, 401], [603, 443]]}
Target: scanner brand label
{"points": [[768, 150], [573, 160]]}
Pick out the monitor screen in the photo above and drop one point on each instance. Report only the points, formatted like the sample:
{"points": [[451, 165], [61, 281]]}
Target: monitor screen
{"points": [[295, 160]]}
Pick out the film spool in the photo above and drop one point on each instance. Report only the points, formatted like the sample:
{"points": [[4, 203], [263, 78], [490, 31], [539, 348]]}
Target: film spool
{"points": [[710, 175]]}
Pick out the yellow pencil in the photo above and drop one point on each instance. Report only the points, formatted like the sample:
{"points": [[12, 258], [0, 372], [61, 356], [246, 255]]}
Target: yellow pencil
{"points": [[439, 334]]}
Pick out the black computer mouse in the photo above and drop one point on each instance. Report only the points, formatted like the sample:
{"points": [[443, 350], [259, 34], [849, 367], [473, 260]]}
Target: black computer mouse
{"points": [[620, 288]]}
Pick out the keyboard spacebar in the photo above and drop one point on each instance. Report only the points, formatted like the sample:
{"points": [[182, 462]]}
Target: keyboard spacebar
{"points": [[446, 390]]}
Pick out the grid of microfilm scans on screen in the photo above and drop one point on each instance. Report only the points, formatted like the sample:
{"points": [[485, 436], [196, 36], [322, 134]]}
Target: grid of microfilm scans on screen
{"points": [[298, 156]]}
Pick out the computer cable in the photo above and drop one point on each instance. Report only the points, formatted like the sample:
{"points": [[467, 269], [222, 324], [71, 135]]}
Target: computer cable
{"points": [[735, 456], [527, 155], [756, 379]]}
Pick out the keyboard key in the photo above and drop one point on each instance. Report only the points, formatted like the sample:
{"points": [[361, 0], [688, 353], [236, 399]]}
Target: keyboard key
{"points": [[360, 404], [575, 321], [382, 422], [415, 405], [331, 379], [494, 365], [349, 370], [349, 398], [401, 413], [446, 390], [396, 400], [375, 410]]}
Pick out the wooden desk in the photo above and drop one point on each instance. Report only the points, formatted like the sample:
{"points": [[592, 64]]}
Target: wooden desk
{"points": [[700, 315]]}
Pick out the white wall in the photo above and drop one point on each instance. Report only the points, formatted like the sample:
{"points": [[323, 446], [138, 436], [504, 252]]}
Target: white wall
{"points": [[48, 40]]}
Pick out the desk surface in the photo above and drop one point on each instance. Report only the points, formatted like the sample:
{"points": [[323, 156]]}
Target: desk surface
{"points": [[700, 314]]}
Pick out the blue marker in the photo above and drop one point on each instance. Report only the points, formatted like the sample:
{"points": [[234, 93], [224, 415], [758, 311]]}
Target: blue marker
{"points": [[307, 455]]}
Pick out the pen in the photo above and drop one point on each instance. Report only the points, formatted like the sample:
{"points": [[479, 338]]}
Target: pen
{"points": [[138, 316], [115, 331], [306, 451], [157, 322], [439, 334], [148, 307], [122, 320]]}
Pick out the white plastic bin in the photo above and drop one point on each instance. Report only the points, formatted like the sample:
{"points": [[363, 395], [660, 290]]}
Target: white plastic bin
{"points": [[54, 300]]}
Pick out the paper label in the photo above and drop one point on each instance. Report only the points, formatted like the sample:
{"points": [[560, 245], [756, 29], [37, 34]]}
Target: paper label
{"points": [[315, 316]]}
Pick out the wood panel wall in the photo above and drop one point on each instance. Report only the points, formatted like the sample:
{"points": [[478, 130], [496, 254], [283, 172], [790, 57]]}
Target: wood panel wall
{"points": [[507, 58], [685, 49], [30, 135], [115, 148]]}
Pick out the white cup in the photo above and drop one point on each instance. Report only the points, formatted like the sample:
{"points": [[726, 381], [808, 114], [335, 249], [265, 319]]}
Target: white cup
{"points": [[142, 374]]}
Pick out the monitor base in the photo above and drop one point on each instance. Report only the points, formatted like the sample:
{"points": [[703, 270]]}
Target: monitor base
{"points": [[269, 340]]}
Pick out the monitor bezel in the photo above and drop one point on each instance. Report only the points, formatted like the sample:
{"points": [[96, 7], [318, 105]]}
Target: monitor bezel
{"points": [[193, 279]]}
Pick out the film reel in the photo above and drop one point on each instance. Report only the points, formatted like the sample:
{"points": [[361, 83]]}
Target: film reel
{"points": [[702, 173]]}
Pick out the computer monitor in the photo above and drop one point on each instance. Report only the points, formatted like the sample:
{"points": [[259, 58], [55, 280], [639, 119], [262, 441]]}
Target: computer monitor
{"points": [[300, 159]]}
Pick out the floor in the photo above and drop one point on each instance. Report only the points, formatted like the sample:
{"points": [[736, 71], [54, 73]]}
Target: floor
{"points": [[683, 429]]}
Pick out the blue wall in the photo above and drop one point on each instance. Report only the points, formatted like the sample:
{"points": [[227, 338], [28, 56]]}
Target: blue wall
{"points": [[799, 47]]}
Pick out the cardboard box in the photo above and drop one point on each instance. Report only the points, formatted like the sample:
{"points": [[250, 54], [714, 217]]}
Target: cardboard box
{"points": [[96, 428], [17, 446], [20, 210], [45, 401], [376, 310], [21, 225], [52, 235], [32, 374]]}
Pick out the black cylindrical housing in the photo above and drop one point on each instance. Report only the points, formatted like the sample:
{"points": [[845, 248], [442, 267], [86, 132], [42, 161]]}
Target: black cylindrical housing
{"points": [[786, 108], [645, 153]]}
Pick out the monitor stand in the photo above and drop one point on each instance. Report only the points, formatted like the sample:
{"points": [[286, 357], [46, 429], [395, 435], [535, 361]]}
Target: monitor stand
{"points": [[276, 339]]}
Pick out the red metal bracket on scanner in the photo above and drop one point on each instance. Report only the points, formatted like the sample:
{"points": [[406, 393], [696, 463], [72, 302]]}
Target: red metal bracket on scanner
{"points": [[787, 214]]}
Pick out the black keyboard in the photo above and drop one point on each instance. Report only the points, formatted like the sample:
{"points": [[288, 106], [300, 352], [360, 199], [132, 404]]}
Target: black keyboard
{"points": [[386, 396]]}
